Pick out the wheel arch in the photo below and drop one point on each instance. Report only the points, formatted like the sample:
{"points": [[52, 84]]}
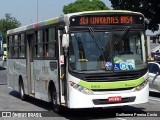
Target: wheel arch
{"points": [[20, 80]]}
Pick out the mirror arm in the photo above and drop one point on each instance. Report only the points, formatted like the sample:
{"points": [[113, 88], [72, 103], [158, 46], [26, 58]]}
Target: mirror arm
{"points": [[65, 51]]}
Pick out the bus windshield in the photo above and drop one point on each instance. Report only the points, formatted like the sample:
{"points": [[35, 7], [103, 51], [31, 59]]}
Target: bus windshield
{"points": [[117, 53]]}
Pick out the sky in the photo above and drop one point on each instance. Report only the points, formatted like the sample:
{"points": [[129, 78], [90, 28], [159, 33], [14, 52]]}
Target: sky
{"points": [[25, 11]]}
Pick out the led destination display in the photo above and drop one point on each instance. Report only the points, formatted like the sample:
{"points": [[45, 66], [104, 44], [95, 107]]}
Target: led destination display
{"points": [[106, 20]]}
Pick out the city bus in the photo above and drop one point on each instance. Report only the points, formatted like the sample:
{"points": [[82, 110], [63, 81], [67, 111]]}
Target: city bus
{"points": [[91, 59]]}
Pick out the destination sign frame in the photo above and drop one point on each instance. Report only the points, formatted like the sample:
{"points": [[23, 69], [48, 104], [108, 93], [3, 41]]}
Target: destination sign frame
{"points": [[111, 19]]}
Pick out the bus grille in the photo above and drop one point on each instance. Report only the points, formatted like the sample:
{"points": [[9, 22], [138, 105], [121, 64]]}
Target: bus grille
{"points": [[109, 78]]}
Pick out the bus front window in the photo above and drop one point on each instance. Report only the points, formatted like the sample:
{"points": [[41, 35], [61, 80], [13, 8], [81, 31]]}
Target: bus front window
{"points": [[87, 53], [129, 52], [98, 51]]}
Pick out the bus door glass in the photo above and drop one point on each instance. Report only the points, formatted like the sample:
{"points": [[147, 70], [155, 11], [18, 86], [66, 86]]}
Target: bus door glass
{"points": [[62, 58], [30, 39]]}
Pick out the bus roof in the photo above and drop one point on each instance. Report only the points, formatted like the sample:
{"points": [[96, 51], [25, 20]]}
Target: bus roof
{"points": [[103, 11], [35, 25], [63, 18]]}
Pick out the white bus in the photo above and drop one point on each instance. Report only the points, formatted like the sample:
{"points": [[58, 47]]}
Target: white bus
{"points": [[81, 60]]}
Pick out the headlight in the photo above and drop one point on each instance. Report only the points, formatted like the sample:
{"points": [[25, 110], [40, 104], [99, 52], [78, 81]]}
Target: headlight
{"points": [[81, 88], [141, 86]]}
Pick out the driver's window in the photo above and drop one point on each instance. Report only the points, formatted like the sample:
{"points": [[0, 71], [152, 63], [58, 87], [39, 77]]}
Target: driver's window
{"points": [[118, 43], [138, 46], [118, 47], [132, 44]]}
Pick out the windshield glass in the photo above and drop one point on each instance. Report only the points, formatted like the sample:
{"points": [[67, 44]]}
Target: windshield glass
{"points": [[106, 51], [129, 52]]}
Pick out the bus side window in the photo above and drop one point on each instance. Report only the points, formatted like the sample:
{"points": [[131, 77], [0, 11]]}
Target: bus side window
{"points": [[15, 46], [50, 49], [39, 48], [22, 45], [46, 53], [9, 46]]}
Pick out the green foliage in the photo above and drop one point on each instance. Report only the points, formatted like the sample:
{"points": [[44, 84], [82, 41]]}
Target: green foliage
{"points": [[150, 9], [8, 23], [84, 5]]}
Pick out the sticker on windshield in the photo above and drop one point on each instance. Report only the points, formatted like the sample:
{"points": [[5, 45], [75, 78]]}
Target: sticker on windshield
{"points": [[108, 65], [131, 64], [117, 60], [123, 66], [116, 66]]}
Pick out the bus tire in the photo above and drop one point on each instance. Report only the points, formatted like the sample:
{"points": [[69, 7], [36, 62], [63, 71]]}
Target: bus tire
{"points": [[21, 91], [55, 106]]}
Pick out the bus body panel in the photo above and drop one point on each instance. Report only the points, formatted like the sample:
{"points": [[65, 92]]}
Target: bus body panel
{"points": [[43, 74], [15, 69], [78, 99], [38, 78], [81, 100]]}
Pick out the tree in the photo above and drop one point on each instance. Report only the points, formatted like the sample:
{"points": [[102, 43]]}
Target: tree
{"points": [[150, 9], [8, 23], [84, 5]]}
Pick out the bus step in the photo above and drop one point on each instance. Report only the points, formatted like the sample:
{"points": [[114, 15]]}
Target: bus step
{"points": [[63, 104], [32, 95]]}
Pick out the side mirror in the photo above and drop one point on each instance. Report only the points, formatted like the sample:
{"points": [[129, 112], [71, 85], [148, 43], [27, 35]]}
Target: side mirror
{"points": [[61, 27], [65, 41]]}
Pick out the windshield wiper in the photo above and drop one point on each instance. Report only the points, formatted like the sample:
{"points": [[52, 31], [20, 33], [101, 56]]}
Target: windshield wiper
{"points": [[98, 43], [123, 35], [125, 32], [94, 38]]}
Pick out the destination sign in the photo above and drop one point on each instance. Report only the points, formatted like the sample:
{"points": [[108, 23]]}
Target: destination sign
{"points": [[106, 20]]}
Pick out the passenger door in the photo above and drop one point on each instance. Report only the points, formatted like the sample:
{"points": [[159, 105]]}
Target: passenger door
{"points": [[29, 49]]}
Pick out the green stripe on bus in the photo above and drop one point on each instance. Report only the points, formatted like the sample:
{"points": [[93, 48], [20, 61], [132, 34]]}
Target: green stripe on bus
{"points": [[111, 85], [51, 21]]}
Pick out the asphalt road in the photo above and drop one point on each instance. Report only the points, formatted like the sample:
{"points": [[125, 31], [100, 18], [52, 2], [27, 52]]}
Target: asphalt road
{"points": [[3, 76], [10, 101]]}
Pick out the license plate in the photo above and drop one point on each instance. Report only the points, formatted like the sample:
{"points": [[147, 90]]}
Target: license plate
{"points": [[115, 99]]}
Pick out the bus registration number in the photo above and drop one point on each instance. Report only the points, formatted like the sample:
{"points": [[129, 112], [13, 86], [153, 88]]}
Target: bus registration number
{"points": [[115, 99]]}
